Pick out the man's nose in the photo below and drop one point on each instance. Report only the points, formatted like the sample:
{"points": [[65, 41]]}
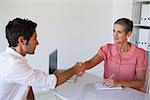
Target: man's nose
{"points": [[37, 42]]}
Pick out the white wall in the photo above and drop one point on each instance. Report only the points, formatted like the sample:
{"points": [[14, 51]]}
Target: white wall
{"points": [[3, 41], [122, 9], [76, 29]]}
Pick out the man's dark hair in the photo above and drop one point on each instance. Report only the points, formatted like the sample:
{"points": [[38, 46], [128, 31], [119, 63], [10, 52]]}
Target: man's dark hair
{"points": [[128, 24], [19, 27]]}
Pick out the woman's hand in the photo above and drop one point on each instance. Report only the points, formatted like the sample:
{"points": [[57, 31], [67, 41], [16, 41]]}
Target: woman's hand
{"points": [[81, 69], [111, 82]]}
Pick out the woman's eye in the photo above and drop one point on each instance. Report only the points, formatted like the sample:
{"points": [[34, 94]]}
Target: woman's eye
{"points": [[113, 30], [119, 32]]}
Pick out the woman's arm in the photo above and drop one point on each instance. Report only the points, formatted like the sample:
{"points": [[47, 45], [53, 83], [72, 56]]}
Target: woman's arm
{"points": [[89, 64], [137, 84], [93, 62]]}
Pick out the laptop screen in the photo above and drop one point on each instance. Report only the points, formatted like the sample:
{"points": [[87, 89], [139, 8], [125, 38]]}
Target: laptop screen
{"points": [[52, 62]]}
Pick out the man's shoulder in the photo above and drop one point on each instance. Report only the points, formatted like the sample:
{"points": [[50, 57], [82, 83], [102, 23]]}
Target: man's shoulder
{"points": [[4, 56], [11, 64]]}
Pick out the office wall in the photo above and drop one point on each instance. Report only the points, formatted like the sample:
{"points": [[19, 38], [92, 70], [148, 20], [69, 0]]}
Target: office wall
{"points": [[122, 9], [2, 35], [76, 29]]}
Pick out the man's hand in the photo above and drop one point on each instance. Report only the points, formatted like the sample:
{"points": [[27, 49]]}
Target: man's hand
{"points": [[80, 69]]}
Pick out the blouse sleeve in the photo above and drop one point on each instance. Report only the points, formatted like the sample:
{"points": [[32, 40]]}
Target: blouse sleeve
{"points": [[103, 51], [141, 59]]}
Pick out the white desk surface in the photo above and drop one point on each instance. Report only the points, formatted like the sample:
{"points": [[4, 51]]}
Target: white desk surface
{"points": [[84, 89]]}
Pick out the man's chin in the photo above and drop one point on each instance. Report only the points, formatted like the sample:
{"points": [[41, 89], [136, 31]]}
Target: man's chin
{"points": [[31, 53]]}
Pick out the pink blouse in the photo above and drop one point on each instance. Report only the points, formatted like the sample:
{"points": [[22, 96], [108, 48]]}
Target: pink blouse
{"points": [[124, 66]]}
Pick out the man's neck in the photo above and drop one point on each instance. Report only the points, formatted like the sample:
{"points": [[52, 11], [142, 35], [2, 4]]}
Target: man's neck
{"points": [[18, 50]]}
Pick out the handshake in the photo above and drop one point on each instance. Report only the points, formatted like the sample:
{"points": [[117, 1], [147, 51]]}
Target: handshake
{"points": [[79, 68]]}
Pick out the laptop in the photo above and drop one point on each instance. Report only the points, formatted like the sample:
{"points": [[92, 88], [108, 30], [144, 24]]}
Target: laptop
{"points": [[53, 62], [53, 66]]}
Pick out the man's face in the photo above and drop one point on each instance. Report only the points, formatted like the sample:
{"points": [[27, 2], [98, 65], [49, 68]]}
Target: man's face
{"points": [[32, 43]]}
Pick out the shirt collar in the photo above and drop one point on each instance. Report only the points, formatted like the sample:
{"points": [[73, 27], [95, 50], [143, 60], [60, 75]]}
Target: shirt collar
{"points": [[125, 54], [13, 52]]}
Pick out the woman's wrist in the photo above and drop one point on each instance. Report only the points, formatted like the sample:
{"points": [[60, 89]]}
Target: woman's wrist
{"points": [[119, 83], [84, 66]]}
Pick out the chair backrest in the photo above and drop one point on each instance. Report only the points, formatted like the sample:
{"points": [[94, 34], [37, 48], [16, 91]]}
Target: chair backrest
{"points": [[148, 88], [148, 81], [148, 74]]}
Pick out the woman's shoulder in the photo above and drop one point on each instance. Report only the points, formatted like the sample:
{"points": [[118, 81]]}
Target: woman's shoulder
{"points": [[108, 45], [138, 49]]}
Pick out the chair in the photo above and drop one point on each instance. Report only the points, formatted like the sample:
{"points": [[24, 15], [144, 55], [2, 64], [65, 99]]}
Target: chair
{"points": [[147, 85], [148, 88]]}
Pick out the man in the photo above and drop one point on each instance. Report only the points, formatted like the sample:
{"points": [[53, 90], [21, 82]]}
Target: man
{"points": [[16, 75]]}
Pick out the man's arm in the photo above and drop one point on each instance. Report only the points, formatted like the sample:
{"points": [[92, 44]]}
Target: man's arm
{"points": [[64, 76]]}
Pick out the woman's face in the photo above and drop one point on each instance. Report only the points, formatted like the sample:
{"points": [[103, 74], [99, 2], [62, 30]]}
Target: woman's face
{"points": [[119, 34]]}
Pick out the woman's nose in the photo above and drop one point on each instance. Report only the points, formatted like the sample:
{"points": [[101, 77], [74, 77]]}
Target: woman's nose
{"points": [[115, 34]]}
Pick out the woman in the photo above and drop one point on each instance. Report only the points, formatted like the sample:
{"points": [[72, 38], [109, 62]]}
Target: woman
{"points": [[124, 63]]}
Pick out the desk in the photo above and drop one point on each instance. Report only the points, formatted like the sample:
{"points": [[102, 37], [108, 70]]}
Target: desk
{"points": [[84, 89]]}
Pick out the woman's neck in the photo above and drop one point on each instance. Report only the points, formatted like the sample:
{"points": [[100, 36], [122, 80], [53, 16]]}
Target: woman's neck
{"points": [[123, 47]]}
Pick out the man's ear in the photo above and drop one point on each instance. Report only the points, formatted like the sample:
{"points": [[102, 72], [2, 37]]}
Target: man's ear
{"points": [[21, 40]]}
